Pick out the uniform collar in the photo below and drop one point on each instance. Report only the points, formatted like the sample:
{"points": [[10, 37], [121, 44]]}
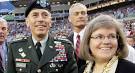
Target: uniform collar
{"points": [[43, 42]]}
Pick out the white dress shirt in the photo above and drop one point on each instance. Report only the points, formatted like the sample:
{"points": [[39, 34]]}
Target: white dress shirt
{"points": [[131, 54], [75, 36]]}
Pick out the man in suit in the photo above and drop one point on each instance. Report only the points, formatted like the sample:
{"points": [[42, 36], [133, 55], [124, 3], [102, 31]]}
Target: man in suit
{"points": [[3, 44], [78, 18], [49, 55]]}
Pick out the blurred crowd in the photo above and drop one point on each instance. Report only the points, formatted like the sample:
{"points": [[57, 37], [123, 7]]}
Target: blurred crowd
{"points": [[62, 28]]}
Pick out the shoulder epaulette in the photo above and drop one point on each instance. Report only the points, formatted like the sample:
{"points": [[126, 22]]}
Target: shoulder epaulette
{"points": [[64, 40], [19, 39]]}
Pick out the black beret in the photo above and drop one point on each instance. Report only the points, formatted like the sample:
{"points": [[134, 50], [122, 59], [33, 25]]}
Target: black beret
{"points": [[37, 5]]}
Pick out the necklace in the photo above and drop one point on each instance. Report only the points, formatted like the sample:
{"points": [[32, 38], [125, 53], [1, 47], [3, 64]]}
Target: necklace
{"points": [[106, 69]]}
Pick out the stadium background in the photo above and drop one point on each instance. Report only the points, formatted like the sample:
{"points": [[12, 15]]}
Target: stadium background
{"points": [[13, 12]]}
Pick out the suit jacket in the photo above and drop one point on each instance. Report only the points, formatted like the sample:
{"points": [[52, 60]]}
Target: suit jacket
{"points": [[80, 62], [57, 58], [1, 71], [123, 66]]}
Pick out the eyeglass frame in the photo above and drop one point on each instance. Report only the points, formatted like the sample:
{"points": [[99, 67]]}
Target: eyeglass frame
{"points": [[102, 37]]}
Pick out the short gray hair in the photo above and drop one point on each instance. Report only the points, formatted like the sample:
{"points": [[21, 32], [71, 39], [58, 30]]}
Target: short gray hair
{"points": [[76, 5], [3, 21]]}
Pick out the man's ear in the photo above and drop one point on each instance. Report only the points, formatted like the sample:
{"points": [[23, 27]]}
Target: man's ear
{"points": [[69, 19], [88, 18], [50, 23], [26, 21], [8, 30]]}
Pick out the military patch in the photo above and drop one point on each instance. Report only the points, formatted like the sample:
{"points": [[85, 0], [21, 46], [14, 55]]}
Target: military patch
{"points": [[22, 60], [20, 50], [23, 54], [30, 47], [21, 65]]}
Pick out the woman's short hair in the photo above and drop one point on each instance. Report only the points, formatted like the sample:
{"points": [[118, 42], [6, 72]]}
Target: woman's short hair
{"points": [[103, 21]]}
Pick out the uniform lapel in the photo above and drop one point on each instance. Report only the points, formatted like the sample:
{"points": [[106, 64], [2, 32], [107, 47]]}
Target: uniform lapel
{"points": [[32, 51], [49, 52], [71, 37]]}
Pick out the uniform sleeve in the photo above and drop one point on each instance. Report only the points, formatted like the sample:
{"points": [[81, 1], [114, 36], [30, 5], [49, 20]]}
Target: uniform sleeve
{"points": [[11, 64], [71, 67]]}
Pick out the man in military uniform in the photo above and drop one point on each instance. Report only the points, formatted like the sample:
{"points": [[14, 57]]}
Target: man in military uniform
{"points": [[49, 55]]}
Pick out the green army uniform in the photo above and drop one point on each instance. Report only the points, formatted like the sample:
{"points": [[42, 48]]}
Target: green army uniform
{"points": [[58, 57]]}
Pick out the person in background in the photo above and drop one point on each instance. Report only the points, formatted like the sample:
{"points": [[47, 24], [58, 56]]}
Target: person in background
{"points": [[78, 18], [131, 40], [131, 43], [104, 47], [40, 52], [3, 45]]}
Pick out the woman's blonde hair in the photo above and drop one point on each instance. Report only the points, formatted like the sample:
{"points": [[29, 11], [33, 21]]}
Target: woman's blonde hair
{"points": [[103, 21]]}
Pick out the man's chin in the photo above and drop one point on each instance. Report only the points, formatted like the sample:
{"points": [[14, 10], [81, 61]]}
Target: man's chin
{"points": [[41, 35], [1, 42], [81, 26]]}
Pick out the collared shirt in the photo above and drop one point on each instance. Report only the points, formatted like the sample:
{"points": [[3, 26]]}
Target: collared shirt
{"points": [[131, 54], [75, 35], [3, 52], [43, 43]]}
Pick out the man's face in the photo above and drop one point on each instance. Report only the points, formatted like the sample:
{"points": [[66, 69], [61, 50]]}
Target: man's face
{"points": [[78, 16], [130, 41], [39, 22], [3, 32]]}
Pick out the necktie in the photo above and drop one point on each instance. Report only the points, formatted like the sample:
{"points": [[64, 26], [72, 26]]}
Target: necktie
{"points": [[77, 45], [38, 45]]}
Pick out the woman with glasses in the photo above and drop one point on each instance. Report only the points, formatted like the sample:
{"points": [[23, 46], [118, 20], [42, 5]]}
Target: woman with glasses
{"points": [[104, 47]]}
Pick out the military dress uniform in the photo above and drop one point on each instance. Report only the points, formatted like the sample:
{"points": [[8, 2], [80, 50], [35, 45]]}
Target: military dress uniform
{"points": [[58, 57]]}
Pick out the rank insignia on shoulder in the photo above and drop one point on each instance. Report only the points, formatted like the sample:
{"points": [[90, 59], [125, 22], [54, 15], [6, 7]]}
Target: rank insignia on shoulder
{"points": [[19, 38], [16, 39]]}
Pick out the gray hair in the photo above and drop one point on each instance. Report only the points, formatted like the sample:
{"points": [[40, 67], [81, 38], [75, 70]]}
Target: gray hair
{"points": [[3, 21], [76, 5]]}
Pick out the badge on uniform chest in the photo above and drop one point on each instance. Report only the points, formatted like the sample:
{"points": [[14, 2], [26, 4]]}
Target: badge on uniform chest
{"points": [[21, 62], [61, 56], [21, 65], [21, 52]]}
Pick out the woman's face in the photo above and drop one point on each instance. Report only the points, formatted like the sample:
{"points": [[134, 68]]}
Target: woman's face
{"points": [[103, 43]]}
